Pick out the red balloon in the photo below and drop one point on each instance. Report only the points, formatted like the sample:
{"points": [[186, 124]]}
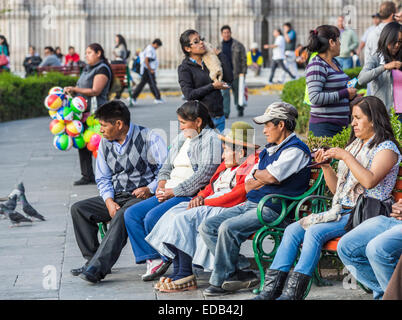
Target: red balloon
{"points": [[95, 139], [91, 147], [95, 153]]}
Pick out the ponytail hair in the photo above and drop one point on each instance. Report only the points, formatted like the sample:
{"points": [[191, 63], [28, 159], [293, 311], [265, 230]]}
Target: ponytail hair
{"points": [[98, 48], [193, 109], [318, 40]]}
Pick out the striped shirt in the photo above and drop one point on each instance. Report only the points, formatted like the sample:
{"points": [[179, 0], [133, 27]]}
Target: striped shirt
{"points": [[327, 92]]}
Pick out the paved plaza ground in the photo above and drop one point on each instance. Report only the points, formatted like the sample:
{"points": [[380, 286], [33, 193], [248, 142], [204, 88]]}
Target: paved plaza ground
{"points": [[35, 260]]}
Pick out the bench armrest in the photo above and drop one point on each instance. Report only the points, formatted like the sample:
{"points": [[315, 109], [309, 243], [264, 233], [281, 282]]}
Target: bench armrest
{"points": [[284, 212], [315, 198]]}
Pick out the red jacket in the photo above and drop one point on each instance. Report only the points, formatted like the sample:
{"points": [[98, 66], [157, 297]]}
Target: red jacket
{"points": [[238, 193]]}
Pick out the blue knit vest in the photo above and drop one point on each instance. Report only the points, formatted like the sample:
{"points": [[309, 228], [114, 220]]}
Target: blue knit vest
{"points": [[293, 186]]}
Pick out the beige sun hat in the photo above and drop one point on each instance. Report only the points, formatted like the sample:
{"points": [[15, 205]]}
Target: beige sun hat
{"points": [[241, 133]]}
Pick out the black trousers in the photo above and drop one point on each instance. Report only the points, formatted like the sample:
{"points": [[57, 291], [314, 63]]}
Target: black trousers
{"points": [[275, 64], [86, 215], [86, 162], [149, 78], [87, 170]]}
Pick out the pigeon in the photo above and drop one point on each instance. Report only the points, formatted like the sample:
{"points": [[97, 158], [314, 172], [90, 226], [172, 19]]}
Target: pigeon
{"points": [[10, 204], [29, 210], [19, 190], [16, 218]]}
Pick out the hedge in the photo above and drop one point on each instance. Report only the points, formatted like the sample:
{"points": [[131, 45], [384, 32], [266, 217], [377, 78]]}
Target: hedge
{"points": [[22, 98], [293, 93]]}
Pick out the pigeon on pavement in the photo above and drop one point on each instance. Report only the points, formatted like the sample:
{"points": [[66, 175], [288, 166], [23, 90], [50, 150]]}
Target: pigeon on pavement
{"points": [[10, 204], [29, 210], [19, 190], [16, 218]]}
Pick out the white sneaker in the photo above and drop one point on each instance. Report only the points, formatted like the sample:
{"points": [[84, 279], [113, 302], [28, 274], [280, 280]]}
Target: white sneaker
{"points": [[155, 268], [156, 101], [132, 101]]}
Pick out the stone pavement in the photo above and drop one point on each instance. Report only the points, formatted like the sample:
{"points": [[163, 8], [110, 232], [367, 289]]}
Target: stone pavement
{"points": [[35, 260]]}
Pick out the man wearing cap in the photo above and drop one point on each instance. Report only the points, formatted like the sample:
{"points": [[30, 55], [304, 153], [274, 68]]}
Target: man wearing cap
{"points": [[281, 169], [376, 22], [175, 235], [255, 59]]}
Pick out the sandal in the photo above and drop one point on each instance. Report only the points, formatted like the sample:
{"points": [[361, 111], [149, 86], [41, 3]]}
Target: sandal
{"points": [[161, 281], [184, 284]]}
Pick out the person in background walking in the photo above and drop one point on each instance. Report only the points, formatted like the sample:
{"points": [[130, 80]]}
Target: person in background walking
{"points": [[290, 46], [95, 81], [369, 30], [194, 79], [51, 59], [278, 54], [386, 12], [255, 59], [72, 58], [349, 43], [31, 61], [235, 52], [149, 64], [120, 51], [4, 54], [326, 84]]}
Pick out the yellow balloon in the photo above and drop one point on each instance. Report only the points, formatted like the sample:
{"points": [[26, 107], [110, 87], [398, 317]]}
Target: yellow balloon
{"points": [[87, 135]]}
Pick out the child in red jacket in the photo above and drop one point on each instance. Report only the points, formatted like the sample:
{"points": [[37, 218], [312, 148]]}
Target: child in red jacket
{"points": [[176, 236]]}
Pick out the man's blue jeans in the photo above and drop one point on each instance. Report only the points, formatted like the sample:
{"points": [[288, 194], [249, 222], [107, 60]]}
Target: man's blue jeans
{"points": [[313, 239], [140, 219], [346, 63], [224, 233], [371, 252]]}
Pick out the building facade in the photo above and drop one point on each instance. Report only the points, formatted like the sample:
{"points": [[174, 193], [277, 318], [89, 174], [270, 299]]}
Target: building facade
{"points": [[81, 22]]}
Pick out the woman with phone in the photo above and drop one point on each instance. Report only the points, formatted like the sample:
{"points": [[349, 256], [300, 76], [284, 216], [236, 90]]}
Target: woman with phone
{"points": [[194, 78], [367, 166]]}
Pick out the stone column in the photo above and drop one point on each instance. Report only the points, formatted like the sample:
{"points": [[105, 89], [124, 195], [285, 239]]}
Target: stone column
{"points": [[14, 26]]}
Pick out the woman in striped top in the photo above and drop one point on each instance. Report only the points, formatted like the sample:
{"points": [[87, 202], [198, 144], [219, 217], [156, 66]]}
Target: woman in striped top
{"points": [[326, 84]]}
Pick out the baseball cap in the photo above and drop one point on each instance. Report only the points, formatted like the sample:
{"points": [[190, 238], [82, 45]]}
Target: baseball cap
{"points": [[376, 15], [278, 110]]}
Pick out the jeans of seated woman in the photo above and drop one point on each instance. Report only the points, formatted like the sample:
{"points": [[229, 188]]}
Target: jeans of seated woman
{"points": [[313, 239], [140, 219], [371, 251]]}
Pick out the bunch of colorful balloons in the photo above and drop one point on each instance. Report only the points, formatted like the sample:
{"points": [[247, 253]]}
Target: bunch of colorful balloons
{"points": [[66, 125], [67, 122], [92, 136]]}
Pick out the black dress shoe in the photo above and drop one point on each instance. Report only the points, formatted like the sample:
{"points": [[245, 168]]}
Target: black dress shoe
{"points": [[215, 291], [78, 271], [84, 181], [90, 274], [240, 280]]}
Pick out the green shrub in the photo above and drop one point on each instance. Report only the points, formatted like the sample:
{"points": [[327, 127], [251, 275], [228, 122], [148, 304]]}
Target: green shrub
{"points": [[23, 98], [293, 93]]}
